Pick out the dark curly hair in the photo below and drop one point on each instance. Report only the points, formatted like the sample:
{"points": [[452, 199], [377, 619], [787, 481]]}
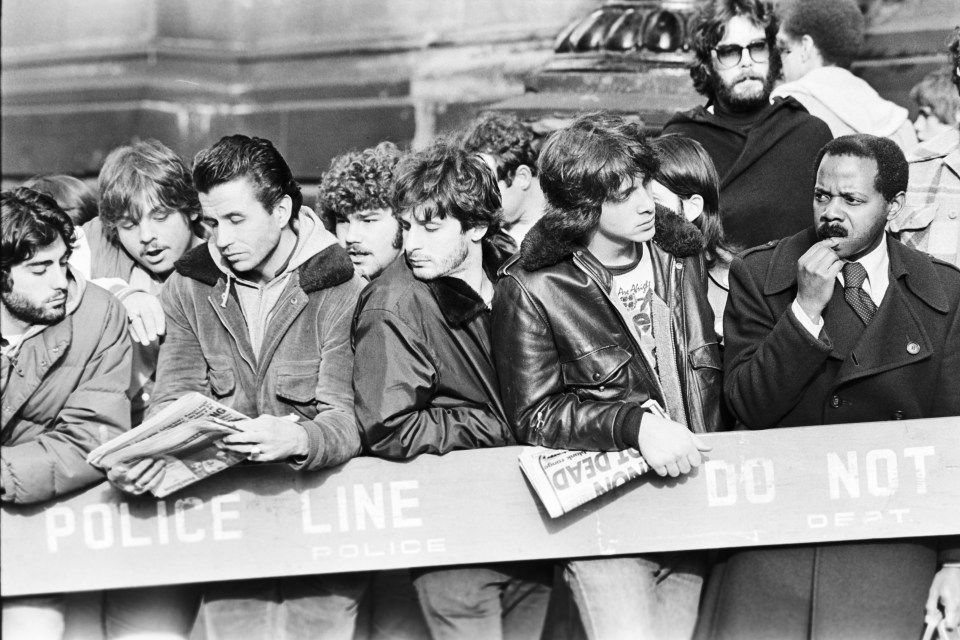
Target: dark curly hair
{"points": [[509, 141], [29, 221], [708, 28], [358, 181], [893, 173], [836, 27], [239, 156], [145, 172], [446, 180], [587, 164]]}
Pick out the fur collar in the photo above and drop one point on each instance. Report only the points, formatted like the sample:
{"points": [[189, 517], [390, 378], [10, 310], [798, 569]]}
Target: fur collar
{"points": [[457, 300], [543, 247], [328, 268]]}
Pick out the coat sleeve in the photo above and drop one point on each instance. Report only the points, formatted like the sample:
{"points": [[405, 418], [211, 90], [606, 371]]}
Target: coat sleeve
{"points": [[178, 372], [333, 434], [768, 360], [539, 405], [395, 380], [95, 411]]}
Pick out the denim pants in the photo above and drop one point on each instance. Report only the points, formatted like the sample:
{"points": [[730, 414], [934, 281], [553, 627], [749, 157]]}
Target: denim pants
{"points": [[166, 612], [485, 602], [638, 597], [34, 617], [288, 608]]}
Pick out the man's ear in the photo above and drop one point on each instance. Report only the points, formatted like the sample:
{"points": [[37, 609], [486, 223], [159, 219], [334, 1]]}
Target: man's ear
{"points": [[476, 234], [808, 48], [523, 177], [895, 206], [692, 207], [284, 209]]}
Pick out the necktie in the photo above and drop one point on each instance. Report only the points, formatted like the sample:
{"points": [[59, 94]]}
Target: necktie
{"points": [[853, 276]]}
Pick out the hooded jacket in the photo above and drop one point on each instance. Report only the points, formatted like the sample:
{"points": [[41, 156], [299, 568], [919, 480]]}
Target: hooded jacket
{"points": [[64, 393], [848, 104], [303, 366], [571, 371], [767, 192]]}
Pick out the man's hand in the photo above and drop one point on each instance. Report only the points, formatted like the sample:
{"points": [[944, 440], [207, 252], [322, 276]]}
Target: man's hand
{"points": [[945, 595], [817, 271], [669, 447], [147, 321], [144, 476], [268, 439]]}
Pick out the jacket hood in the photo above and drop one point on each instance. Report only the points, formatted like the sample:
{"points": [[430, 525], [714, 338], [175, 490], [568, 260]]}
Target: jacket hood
{"points": [[543, 246], [320, 260], [850, 98]]}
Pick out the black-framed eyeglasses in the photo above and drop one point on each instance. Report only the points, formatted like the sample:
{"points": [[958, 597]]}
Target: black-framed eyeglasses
{"points": [[730, 55]]}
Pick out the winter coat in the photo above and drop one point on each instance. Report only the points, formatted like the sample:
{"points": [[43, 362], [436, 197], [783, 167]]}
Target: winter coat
{"points": [[767, 193], [64, 395], [571, 371]]}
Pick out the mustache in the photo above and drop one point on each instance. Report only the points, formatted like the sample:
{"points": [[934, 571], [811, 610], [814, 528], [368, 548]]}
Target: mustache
{"points": [[676, 234], [831, 230]]}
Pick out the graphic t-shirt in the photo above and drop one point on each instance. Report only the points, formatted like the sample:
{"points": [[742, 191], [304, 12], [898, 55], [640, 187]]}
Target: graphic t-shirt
{"points": [[633, 284]]}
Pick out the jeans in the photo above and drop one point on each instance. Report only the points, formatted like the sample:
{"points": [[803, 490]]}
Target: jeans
{"points": [[650, 596], [485, 602], [394, 610], [34, 617], [288, 608], [159, 613]]}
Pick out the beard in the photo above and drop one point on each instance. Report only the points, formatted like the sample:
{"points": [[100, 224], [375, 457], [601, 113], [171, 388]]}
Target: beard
{"points": [[739, 103], [29, 312], [831, 230], [440, 266], [675, 234]]}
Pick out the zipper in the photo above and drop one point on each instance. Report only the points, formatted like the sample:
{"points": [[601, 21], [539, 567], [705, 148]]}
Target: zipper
{"points": [[678, 273]]}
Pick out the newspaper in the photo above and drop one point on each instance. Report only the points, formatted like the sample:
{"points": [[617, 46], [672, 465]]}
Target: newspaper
{"points": [[185, 435], [564, 480]]}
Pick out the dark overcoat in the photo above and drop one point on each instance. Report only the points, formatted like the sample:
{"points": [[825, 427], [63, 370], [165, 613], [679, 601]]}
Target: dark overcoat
{"points": [[904, 364]]}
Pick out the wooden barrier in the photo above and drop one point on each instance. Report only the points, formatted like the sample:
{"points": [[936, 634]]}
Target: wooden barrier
{"points": [[782, 486]]}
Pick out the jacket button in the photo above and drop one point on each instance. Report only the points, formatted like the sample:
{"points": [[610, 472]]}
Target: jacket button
{"points": [[953, 214], [913, 348], [596, 376], [835, 402], [601, 388], [898, 415]]}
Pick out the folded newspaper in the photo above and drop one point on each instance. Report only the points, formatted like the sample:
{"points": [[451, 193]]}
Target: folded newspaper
{"points": [[564, 480], [184, 434]]}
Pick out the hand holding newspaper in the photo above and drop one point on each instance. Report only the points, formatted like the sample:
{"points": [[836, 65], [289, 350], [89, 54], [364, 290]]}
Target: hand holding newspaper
{"points": [[564, 480], [184, 434]]}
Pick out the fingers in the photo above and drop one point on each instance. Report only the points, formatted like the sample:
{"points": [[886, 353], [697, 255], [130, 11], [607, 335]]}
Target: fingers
{"points": [[145, 475], [137, 331], [700, 445]]}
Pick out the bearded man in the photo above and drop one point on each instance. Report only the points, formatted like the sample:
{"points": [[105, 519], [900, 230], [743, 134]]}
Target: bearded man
{"points": [[763, 151]]}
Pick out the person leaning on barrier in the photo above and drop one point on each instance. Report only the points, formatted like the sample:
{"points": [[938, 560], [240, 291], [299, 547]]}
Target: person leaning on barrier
{"points": [[763, 151], [64, 372], [930, 221], [510, 148], [838, 324], [592, 319], [355, 194], [424, 379], [258, 318]]}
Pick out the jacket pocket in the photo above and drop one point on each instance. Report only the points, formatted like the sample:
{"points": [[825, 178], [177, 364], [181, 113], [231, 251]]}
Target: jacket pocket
{"points": [[705, 389], [601, 374], [706, 357], [221, 378], [297, 382]]}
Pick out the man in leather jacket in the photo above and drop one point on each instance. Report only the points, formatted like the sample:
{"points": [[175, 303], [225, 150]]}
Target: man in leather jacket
{"points": [[595, 317]]}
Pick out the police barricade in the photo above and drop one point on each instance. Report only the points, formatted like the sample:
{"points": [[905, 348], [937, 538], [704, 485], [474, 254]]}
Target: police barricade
{"points": [[781, 486]]}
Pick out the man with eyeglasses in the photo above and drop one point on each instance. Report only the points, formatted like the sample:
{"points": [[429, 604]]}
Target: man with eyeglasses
{"points": [[763, 151]]}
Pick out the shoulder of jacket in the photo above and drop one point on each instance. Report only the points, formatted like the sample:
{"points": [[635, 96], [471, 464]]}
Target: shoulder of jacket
{"points": [[767, 246]]}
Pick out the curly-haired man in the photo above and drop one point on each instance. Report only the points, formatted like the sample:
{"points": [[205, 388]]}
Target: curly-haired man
{"points": [[511, 149], [818, 41], [763, 151], [354, 195]]}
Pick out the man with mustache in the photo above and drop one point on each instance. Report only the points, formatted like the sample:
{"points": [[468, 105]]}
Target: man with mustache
{"points": [[64, 371], [424, 379], [841, 323], [355, 194], [763, 151], [258, 318]]}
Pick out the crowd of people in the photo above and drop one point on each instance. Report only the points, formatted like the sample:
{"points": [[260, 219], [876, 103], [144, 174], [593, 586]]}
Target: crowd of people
{"points": [[773, 259]]}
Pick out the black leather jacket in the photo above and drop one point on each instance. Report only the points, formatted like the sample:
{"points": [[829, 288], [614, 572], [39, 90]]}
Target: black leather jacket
{"points": [[571, 374]]}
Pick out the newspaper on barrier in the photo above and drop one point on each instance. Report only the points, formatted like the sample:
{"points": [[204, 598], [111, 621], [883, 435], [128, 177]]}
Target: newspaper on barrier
{"points": [[185, 435], [564, 480]]}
